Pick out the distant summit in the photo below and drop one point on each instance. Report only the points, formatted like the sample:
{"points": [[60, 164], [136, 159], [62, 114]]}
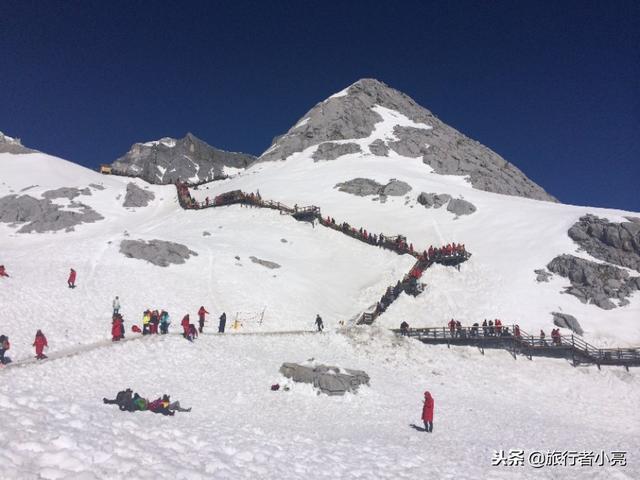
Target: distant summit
{"points": [[189, 159], [12, 145], [371, 118]]}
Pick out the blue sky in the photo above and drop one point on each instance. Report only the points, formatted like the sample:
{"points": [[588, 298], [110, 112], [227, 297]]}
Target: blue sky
{"points": [[554, 87]]}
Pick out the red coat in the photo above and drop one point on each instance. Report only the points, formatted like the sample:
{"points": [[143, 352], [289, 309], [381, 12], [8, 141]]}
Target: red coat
{"points": [[202, 312], [3, 272], [40, 343], [116, 329], [427, 409], [72, 277]]}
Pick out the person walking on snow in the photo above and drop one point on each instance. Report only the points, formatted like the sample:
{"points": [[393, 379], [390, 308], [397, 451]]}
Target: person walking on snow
{"points": [[40, 342], [427, 412], [116, 305], [71, 281], [4, 346], [201, 314], [222, 323], [319, 323], [185, 326]]}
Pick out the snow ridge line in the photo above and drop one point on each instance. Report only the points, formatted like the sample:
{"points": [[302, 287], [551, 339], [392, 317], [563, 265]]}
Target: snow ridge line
{"points": [[396, 243]]}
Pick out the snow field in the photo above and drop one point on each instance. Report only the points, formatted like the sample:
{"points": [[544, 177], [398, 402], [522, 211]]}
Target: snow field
{"points": [[57, 426]]}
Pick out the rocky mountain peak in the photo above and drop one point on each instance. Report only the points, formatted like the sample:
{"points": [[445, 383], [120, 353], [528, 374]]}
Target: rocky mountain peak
{"points": [[12, 145], [381, 120], [189, 159]]}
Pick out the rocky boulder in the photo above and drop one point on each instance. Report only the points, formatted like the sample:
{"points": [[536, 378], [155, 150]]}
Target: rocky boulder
{"points": [[617, 243], [157, 252], [363, 187], [459, 207], [564, 320], [42, 215], [593, 282], [433, 200], [329, 380], [137, 197]]}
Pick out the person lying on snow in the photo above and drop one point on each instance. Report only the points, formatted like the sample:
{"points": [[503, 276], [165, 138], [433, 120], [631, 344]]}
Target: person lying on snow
{"points": [[173, 406], [123, 399]]}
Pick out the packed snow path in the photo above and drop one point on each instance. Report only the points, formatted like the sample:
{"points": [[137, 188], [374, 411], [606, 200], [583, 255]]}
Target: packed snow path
{"points": [[72, 352], [396, 243], [563, 346]]}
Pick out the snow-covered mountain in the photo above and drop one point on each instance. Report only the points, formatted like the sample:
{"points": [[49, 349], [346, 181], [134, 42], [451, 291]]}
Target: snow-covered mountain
{"points": [[271, 275], [168, 159], [350, 122], [12, 145]]}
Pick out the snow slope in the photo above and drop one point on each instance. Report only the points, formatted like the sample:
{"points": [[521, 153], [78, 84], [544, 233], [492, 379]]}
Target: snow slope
{"points": [[509, 238], [55, 425]]}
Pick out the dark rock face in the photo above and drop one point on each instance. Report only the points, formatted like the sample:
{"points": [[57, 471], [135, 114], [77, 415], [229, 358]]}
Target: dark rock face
{"points": [[13, 145], [593, 282], [187, 159], [42, 215], [363, 187], [328, 380], [351, 115], [564, 320], [158, 252], [617, 243], [331, 151], [137, 197], [265, 263]]}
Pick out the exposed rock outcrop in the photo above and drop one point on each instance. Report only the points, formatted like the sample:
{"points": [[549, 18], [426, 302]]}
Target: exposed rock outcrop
{"points": [[187, 159], [363, 187], [433, 200], [66, 192], [265, 263], [564, 320], [42, 215], [351, 114], [137, 197], [542, 275], [617, 243], [158, 252], [594, 282], [331, 151], [328, 380], [459, 206], [13, 145]]}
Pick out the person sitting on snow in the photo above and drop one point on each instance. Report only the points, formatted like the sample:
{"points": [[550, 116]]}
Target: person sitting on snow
{"points": [[3, 272], [158, 407], [173, 406]]}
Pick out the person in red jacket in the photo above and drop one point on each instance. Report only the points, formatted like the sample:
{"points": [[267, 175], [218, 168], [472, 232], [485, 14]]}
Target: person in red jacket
{"points": [[116, 329], [427, 412], [40, 342], [185, 325], [201, 314], [3, 272], [72, 279]]}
